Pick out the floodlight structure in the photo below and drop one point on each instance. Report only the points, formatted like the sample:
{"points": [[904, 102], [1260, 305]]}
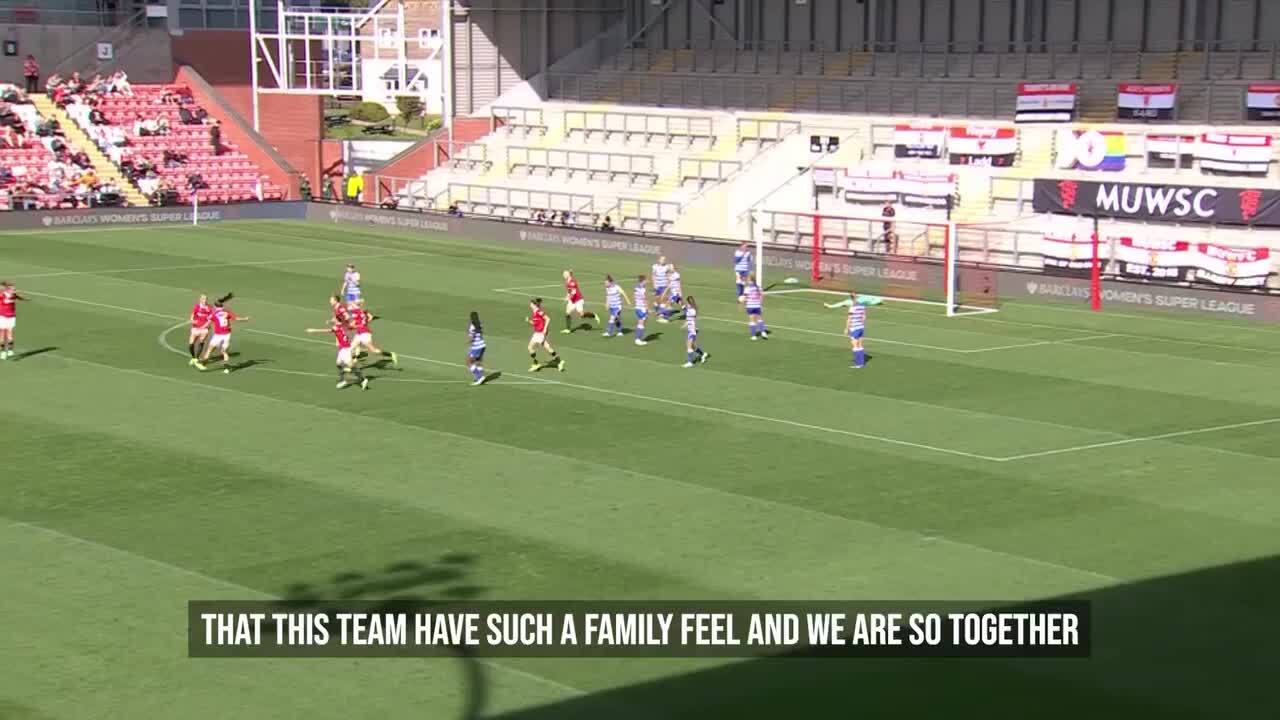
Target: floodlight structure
{"points": [[322, 51]]}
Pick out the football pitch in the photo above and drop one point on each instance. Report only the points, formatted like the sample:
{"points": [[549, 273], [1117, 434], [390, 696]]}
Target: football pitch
{"points": [[1037, 452]]}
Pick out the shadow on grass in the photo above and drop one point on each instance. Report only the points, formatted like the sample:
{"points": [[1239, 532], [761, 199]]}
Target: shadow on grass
{"points": [[444, 579], [1195, 645], [32, 353]]}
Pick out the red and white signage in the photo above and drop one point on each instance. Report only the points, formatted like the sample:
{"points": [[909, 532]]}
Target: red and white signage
{"points": [[1263, 102], [1147, 102], [982, 145], [1148, 258], [1046, 102], [916, 141], [1235, 154], [875, 185], [1242, 267]]}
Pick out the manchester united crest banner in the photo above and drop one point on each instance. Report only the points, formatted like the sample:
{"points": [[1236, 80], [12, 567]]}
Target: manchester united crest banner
{"points": [[1167, 203]]}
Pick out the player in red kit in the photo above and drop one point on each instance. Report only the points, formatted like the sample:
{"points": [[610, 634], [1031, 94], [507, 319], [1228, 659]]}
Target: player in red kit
{"points": [[220, 321], [538, 320], [339, 310], [9, 298], [201, 313], [359, 322], [346, 361], [574, 302]]}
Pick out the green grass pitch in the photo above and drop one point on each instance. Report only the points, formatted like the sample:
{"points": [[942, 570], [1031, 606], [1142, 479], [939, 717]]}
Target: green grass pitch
{"points": [[1032, 453]]}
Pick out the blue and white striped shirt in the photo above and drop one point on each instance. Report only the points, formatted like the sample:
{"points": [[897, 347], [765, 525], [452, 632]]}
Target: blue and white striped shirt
{"points": [[857, 317], [660, 275], [641, 297], [674, 285], [742, 261], [691, 320], [613, 296], [351, 283], [754, 297], [477, 338]]}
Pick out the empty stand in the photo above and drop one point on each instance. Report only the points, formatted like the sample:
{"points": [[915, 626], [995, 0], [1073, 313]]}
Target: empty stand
{"points": [[610, 167]]}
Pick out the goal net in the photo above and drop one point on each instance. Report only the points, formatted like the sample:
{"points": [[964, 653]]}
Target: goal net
{"points": [[902, 259]]}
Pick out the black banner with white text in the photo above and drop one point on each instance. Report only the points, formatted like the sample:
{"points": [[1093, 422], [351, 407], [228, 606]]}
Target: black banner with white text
{"points": [[1166, 203]]}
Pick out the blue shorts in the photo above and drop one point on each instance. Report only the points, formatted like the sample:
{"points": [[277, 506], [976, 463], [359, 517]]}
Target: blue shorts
{"points": [[693, 336], [658, 291], [476, 354], [614, 312], [641, 314], [353, 295], [742, 277], [755, 311], [676, 299], [856, 334]]}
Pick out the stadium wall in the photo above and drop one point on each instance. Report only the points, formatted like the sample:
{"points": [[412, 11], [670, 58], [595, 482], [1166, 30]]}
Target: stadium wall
{"points": [[1015, 285], [292, 124], [143, 53], [1153, 25]]}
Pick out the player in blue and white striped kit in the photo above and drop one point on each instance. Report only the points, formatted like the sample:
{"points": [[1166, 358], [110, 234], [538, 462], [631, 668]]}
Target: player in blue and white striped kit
{"points": [[855, 327], [753, 299], [614, 299], [674, 296], [475, 349], [350, 290], [661, 274], [695, 353], [641, 296], [741, 266]]}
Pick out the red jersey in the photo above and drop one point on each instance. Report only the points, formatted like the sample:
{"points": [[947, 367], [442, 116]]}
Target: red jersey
{"points": [[340, 314], [222, 319], [9, 303], [572, 286], [200, 314], [360, 319], [539, 321], [340, 334]]}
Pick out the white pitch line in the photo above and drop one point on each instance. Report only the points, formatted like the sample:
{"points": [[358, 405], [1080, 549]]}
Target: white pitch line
{"points": [[973, 309], [1040, 343], [203, 266], [231, 584], [1132, 440], [591, 388]]}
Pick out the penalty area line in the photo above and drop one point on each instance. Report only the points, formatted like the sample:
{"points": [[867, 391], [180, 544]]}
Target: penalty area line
{"points": [[1134, 440]]}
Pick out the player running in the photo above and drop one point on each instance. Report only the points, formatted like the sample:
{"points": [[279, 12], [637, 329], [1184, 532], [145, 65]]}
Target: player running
{"points": [[741, 266], [695, 353], [641, 296], [359, 320], [339, 310], [9, 297], [201, 313], [221, 320], [538, 320], [574, 302], [661, 275], [350, 288], [614, 299], [346, 360], [674, 294], [475, 349], [753, 298]]}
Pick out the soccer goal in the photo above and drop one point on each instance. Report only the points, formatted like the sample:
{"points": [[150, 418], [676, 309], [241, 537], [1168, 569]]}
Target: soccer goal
{"points": [[899, 259]]}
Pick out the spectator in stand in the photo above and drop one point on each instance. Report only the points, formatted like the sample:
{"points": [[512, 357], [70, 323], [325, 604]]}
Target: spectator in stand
{"points": [[215, 140], [9, 138], [81, 160], [454, 210], [13, 94], [96, 117], [564, 218], [108, 194], [31, 73], [52, 82], [173, 159], [607, 225], [888, 213], [148, 183], [49, 128], [119, 84], [537, 217]]}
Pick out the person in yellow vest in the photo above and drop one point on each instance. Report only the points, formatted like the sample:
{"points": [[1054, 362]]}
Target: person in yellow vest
{"points": [[355, 187]]}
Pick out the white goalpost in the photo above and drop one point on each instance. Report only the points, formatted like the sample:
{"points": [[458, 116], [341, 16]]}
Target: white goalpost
{"points": [[901, 259]]}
